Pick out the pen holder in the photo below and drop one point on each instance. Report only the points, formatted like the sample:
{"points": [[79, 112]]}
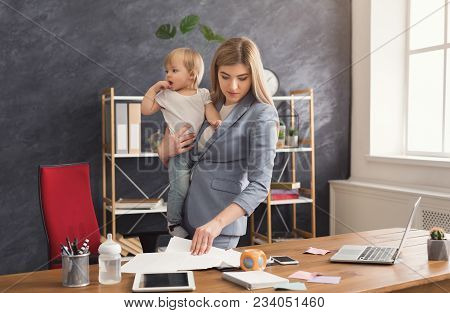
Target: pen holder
{"points": [[253, 260], [75, 270]]}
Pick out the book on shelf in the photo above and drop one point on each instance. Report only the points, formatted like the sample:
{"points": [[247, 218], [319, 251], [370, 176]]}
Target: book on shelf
{"points": [[282, 194], [134, 128], [121, 134], [285, 185], [133, 203]]}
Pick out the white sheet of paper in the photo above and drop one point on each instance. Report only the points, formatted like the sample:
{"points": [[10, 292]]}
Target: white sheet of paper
{"points": [[230, 258], [178, 257], [169, 262]]}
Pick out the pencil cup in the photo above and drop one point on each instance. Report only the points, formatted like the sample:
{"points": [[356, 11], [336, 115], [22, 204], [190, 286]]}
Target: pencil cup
{"points": [[75, 270]]}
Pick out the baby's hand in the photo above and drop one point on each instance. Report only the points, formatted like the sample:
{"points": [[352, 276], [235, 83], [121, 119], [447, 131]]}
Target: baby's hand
{"points": [[216, 123], [161, 85]]}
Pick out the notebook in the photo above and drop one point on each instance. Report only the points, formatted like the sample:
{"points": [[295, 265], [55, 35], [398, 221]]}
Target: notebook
{"points": [[254, 279]]}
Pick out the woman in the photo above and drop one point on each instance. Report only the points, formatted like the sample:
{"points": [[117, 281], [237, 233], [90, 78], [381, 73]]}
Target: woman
{"points": [[234, 164]]}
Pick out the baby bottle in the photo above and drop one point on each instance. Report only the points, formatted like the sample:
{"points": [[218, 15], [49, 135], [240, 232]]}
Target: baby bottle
{"points": [[109, 262]]}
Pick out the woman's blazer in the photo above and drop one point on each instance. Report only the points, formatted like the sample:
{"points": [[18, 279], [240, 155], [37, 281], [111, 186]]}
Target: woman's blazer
{"points": [[234, 166]]}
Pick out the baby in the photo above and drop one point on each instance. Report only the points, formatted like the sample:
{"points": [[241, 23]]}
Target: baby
{"points": [[181, 103]]}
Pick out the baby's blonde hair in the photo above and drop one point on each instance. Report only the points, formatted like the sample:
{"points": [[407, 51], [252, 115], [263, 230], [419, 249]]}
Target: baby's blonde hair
{"points": [[192, 60]]}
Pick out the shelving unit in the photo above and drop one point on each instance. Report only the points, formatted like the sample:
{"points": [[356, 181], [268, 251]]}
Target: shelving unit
{"points": [[307, 195], [110, 159]]}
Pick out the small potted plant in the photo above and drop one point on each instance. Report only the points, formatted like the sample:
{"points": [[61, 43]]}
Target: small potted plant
{"points": [[437, 245], [281, 135], [292, 139]]}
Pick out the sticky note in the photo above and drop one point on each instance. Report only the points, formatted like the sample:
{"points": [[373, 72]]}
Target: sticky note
{"points": [[312, 250], [325, 279], [304, 275], [290, 286]]}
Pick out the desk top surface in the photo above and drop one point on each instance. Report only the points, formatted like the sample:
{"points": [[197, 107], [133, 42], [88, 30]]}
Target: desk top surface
{"points": [[413, 270]]}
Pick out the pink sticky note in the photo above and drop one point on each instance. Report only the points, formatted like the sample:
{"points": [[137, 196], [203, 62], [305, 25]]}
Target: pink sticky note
{"points": [[325, 279], [303, 275], [312, 250]]}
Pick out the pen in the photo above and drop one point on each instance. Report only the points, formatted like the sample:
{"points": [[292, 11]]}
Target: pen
{"points": [[83, 247], [69, 245], [64, 249], [75, 246]]}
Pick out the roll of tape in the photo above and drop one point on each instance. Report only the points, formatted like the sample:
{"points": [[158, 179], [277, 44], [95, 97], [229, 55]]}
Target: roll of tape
{"points": [[253, 260]]}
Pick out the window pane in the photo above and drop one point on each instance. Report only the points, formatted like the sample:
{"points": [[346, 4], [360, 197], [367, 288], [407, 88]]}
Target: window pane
{"points": [[425, 101], [430, 29]]}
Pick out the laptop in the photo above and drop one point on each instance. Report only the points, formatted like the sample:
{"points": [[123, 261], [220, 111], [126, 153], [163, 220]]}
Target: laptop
{"points": [[373, 254]]}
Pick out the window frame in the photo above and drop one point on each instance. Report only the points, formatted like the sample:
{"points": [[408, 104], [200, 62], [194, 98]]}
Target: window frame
{"points": [[446, 49]]}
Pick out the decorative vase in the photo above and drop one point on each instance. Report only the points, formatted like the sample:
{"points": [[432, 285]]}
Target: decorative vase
{"points": [[437, 250], [292, 141]]}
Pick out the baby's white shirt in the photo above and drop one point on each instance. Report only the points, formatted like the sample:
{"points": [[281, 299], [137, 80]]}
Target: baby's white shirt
{"points": [[179, 109]]}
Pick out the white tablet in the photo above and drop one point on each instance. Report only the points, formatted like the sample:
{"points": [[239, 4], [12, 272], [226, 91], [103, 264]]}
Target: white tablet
{"points": [[164, 282]]}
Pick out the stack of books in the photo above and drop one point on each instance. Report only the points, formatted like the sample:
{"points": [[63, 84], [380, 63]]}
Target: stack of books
{"points": [[284, 190], [127, 128]]}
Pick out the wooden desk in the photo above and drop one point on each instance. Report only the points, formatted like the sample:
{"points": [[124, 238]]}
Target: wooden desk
{"points": [[413, 274]]}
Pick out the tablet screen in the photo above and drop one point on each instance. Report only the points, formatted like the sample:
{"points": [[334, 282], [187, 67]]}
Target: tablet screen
{"points": [[164, 280]]}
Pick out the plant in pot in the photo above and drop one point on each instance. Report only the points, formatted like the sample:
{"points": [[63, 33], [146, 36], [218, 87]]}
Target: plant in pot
{"points": [[292, 139], [437, 245], [281, 135]]}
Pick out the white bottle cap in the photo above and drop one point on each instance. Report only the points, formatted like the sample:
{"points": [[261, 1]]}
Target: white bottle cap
{"points": [[109, 247]]}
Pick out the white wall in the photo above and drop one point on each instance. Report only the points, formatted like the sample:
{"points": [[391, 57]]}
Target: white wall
{"points": [[378, 80]]}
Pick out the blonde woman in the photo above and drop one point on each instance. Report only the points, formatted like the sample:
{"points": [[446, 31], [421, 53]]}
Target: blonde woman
{"points": [[233, 164]]}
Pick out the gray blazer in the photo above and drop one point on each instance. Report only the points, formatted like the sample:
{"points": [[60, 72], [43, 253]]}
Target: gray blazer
{"points": [[235, 166]]}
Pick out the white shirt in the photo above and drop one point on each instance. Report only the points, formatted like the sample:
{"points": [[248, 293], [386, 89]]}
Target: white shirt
{"points": [[179, 110], [209, 131]]}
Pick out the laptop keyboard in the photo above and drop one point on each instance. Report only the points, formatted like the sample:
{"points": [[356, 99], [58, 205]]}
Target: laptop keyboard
{"points": [[377, 254]]}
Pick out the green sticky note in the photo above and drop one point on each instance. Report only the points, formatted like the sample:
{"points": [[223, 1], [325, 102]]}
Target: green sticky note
{"points": [[290, 286]]}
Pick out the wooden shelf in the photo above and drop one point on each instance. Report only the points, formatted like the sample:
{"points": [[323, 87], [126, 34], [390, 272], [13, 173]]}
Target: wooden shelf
{"points": [[275, 98], [131, 155], [308, 194], [161, 209], [294, 149]]}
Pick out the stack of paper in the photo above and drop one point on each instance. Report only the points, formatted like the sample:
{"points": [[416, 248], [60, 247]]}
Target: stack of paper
{"points": [[178, 257]]}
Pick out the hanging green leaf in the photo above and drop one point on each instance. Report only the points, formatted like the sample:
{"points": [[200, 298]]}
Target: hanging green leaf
{"points": [[210, 35], [218, 38], [188, 23], [207, 32], [166, 31]]}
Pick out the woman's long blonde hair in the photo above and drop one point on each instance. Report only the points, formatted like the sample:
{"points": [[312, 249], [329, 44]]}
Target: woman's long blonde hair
{"points": [[239, 50]]}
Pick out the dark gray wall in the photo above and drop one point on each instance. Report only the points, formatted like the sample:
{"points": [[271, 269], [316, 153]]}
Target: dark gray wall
{"points": [[56, 56]]}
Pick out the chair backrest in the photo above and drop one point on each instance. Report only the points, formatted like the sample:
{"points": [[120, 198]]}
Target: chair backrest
{"points": [[67, 209]]}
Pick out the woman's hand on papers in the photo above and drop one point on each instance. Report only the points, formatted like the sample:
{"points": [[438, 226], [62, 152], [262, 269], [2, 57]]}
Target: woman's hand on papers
{"points": [[204, 237]]}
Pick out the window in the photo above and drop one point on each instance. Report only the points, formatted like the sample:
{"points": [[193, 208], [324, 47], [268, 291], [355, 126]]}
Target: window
{"points": [[428, 108]]}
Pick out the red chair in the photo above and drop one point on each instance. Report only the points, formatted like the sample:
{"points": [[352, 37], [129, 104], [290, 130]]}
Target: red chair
{"points": [[67, 209]]}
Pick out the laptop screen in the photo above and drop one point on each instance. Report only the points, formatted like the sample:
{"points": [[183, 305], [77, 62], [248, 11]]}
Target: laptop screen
{"points": [[408, 227]]}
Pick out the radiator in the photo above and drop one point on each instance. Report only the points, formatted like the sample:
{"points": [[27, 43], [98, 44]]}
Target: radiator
{"points": [[431, 217]]}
